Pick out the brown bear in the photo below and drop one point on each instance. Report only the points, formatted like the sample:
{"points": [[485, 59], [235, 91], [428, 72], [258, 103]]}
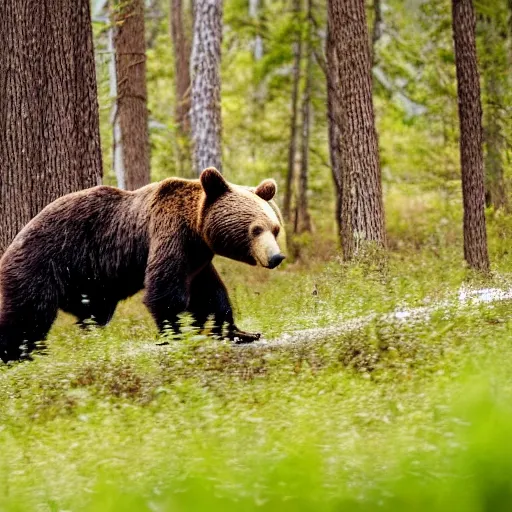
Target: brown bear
{"points": [[88, 250]]}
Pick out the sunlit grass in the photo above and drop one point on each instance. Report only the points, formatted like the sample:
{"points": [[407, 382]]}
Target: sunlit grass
{"points": [[393, 413]]}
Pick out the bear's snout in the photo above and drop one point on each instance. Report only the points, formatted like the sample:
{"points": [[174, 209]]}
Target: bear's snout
{"points": [[266, 250], [275, 260]]}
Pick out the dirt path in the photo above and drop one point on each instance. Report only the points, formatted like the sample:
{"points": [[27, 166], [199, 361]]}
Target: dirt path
{"points": [[466, 299]]}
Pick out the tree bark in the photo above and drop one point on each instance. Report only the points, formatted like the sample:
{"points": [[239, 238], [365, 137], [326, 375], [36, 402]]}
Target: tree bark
{"points": [[292, 148], [362, 210], [181, 67], [303, 222], [132, 111], [117, 143], [205, 108], [257, 106], [495, 194], [49, 126], [377, 28], [334, 120], [470, 117]]}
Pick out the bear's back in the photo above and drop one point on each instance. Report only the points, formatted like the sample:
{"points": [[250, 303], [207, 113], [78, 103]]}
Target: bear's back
{"points": [[70, 217], [94, 234]]}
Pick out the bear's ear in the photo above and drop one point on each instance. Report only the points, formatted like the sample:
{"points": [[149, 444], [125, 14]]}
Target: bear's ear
{"points": [[213, 183], [266, 189]]}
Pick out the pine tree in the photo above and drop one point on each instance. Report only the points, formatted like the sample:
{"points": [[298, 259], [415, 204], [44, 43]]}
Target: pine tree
{"points": [[181, 66], [292, 145], [49, 126], [303, 219], [362, 211], [205, 108], [131, 107], [470, 118]]}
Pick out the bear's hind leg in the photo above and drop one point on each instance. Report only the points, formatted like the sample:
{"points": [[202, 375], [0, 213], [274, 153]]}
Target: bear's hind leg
{"points": [[28, 305], [20, 333], [11, 340]]}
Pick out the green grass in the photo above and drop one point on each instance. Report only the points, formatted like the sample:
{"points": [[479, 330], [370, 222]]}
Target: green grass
{"points": [[391, 415]]}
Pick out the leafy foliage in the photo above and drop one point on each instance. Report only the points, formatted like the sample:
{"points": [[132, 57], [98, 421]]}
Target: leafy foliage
{"points": [[378, 411], [387, 412], [415, 96]]}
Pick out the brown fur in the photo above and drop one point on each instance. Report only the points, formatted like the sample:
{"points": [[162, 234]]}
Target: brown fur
{"points": [[88, 250]]}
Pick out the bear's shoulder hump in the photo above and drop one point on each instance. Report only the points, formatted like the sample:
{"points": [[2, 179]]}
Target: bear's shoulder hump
{"points": [[177, 187]]}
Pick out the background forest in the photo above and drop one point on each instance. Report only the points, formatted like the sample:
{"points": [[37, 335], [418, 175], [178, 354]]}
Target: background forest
{"points": [[415, 97], [383, 381]]}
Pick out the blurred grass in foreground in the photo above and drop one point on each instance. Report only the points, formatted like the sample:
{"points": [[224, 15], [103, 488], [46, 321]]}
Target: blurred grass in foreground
{"points": [[387, 415], [390, 415]]}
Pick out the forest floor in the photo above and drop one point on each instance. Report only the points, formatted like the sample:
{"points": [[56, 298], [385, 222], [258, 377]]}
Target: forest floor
{"points": [[376, 386]]}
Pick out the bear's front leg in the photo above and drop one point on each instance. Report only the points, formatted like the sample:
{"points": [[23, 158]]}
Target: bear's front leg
{"points": [[165, 303], [208, 296], [238, 336], [166, 289]]}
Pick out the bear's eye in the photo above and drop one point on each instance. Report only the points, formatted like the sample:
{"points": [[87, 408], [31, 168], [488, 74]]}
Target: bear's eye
{"points": [[275, 231], [256, 231]]}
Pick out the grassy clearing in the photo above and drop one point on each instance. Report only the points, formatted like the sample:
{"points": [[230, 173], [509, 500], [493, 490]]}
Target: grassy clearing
{"points": [[391, 414]]}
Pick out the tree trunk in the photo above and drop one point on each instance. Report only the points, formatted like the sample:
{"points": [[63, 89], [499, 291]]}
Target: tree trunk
{"points": [[254, 7], [154, 16], [49, 126], [303, 218], [510, 17], [132, 111], [495, 194], [362, 210], [292, 148], [117, 143], [181, 45], [205, 108], [378, 24], [334, 120], [470, 116], [181, 67], [257, 106]]}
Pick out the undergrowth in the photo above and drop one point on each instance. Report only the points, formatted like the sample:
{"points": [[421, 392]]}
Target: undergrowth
{"points": [[405, 405]]}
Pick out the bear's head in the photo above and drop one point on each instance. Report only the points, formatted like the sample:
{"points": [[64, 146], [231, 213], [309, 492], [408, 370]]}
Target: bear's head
{"points": [[239, 222]]}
